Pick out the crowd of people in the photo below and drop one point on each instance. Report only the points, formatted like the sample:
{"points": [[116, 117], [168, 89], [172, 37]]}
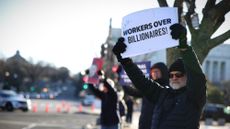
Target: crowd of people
{"points": [[172, 98]]}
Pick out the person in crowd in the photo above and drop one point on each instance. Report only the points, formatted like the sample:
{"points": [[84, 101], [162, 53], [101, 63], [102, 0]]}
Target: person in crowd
{"points": [[106, 91], [179, 106], [122, 107], [129, 102], [158, 73]]}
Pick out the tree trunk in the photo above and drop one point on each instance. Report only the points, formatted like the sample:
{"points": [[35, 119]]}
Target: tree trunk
{"points": [[172, 55], [201, 41]]}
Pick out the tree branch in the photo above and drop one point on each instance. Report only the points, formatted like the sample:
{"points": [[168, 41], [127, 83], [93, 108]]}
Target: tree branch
{"points": [[210, 4], [213, 16], [162, 3], [179, 5], [191, 10], [218, 23], [192, 6], [223, 7], [217, 13], [189, 23], [220, 39]]}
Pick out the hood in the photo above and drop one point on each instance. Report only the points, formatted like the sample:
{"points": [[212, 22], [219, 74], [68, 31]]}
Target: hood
{"points": [[164, 71]]}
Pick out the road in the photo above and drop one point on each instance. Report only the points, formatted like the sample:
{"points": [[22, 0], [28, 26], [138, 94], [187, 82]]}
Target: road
{"points": [[30, 120], [50, 114], [42, 120], [62, 114]]}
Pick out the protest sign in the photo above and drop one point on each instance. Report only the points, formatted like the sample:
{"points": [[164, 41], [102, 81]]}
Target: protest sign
{"points": [[143, 66], [96, 65], [148, 30]]}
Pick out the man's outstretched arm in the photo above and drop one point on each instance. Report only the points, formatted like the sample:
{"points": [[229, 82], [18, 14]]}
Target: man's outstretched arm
{"points": [[146, 86], [196, 82]]}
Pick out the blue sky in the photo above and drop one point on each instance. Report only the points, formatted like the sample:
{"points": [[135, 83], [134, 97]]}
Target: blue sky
{"points": [[62, 32]]}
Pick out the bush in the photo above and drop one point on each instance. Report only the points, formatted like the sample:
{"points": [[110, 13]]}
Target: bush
{"points": [[214, 94]]}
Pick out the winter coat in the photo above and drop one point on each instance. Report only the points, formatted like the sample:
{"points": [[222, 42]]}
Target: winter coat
{"points": [[174, 109], [109, 104], [147, 107]]}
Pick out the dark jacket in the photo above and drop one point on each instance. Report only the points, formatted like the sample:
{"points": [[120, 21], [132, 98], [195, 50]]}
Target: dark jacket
{"points": [[109, 104], [174, 109], [122, 108], [147, 107]]}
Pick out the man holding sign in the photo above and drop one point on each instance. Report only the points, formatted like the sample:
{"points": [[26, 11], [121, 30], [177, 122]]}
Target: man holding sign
{"points": [[158, 73], [179, 106]]}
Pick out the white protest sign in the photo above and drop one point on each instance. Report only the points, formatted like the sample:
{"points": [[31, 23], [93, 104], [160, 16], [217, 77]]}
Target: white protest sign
{"points": [[148, 30]]}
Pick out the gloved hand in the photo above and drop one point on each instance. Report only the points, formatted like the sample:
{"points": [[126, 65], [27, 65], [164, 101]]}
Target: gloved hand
{"points": [[119, 48], [179, 32]]}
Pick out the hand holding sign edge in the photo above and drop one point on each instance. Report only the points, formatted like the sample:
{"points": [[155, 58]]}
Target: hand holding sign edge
{"points": [[120, 47], [179, 32]]}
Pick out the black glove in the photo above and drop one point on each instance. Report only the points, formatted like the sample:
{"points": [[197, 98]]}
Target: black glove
{"points": [[179, 32], [119, 48]]}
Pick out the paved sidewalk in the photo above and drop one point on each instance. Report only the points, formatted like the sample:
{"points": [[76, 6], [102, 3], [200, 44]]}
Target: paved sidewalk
{"points": [[136, 115], [135, 122]]}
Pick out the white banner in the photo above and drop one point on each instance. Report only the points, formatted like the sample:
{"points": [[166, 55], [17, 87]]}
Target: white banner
{"points": [[148, 30]]}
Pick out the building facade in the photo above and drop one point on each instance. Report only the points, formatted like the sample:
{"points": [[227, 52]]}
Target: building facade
{"points": [[217, 64]]}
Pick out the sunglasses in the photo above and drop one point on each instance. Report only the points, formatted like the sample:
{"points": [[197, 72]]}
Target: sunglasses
{"points": [[177, 75]]}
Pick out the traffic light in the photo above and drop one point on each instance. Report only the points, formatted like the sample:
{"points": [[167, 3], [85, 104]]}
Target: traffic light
{"points": [[85, 87]]}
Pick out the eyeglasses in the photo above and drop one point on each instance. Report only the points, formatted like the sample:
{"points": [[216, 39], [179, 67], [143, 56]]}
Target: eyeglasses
{"points": [[177, 75]]}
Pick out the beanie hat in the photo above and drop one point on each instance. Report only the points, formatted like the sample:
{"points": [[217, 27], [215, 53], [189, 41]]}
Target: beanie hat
{"points": [[178, 65]]}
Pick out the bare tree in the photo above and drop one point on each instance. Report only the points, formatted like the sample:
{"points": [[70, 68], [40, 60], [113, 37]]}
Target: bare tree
{"points": [[34, 71], [16, 70], [63, 74], [213, 17]]}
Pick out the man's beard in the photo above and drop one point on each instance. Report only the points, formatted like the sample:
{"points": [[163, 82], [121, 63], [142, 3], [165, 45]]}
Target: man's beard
{"points": [[176, 86]]}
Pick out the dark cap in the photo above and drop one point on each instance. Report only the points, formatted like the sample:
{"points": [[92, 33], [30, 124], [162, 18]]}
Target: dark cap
{"points": [[178, 65]]}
